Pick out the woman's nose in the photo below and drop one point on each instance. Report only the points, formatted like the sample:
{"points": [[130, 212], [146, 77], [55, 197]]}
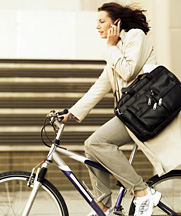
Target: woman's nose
{"points": [[98, 26]]}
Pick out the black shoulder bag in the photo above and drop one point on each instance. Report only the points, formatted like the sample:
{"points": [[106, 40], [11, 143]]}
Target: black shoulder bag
{"points": [[150, 103]]}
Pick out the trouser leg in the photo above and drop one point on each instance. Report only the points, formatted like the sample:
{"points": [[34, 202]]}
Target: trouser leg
{"points": [[103, 146]]}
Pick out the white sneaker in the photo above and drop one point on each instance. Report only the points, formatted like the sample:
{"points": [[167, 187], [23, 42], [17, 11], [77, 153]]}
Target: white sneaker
{"points": [[144, 205]]}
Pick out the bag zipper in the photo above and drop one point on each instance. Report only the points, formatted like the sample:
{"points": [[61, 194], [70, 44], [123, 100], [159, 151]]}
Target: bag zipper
{"points": [[159, 103]]}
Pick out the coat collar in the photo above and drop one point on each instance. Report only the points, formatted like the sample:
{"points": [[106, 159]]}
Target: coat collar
{"points": [[122, 34]]}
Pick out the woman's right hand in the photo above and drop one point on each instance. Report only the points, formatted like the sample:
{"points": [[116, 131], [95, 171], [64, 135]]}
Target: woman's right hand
{"points": [[66, 117], [113, 34]]}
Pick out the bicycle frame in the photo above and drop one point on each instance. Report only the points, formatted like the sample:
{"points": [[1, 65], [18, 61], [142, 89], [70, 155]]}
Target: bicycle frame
{"points": [[69, 174], [53, 155], [65, 169]]}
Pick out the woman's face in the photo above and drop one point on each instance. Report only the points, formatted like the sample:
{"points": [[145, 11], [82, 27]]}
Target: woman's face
{"points": [[103, 23]]}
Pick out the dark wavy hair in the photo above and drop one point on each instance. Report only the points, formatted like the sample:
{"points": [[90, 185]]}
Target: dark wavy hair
{"points": [[130, 18]]}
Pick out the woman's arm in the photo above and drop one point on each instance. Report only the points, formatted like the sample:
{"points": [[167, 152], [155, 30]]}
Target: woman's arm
{"points": [[128, 58], [101, 87]]}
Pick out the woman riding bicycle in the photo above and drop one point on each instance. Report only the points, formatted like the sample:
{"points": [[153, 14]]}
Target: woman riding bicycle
{"points": [[128, 50]]}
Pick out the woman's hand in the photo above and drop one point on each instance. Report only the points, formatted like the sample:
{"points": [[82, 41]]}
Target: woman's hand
{"points": [[66, 117], [113, 34]]}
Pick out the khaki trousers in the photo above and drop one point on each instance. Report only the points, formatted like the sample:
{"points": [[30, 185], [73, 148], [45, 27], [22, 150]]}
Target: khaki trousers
{"points": [[103, 146]]}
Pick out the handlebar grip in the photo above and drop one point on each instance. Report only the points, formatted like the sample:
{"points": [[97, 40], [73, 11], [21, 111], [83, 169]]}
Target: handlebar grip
{"points": [[65, 111]]}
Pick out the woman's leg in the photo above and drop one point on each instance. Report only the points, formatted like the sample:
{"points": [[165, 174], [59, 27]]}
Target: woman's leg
{"points": [[103, 146]]}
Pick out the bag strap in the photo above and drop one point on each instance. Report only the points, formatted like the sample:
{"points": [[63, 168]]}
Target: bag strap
{"points": [[116, 82], [117, 95], [129, 88]]}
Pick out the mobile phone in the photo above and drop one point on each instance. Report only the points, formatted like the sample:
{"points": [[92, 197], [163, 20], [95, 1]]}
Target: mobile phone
{"points": [[116, 21]]}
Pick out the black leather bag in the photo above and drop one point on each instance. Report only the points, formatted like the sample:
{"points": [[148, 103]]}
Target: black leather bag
{"points": [[150, 103]]}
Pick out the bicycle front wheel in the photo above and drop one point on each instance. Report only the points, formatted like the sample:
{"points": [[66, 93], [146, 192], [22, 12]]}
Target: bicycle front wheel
{"points": [[14, 194], [170, 187]]}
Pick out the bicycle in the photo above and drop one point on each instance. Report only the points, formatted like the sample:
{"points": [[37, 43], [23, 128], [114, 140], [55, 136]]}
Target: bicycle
{"points": [[21, 192]]}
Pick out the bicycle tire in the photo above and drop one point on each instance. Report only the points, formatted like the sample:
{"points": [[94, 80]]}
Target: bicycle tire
{"points": [[170, 187], [14, 194]]}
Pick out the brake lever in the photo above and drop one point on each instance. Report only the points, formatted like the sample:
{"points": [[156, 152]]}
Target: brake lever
{"points": [[56, 116]]}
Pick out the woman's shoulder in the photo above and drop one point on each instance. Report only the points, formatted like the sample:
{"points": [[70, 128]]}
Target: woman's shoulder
{"points": [[135, 32], [132, 35]]}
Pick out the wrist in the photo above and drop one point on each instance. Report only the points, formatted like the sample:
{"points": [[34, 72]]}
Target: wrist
{"points": [[110, 45], [71, 116]]}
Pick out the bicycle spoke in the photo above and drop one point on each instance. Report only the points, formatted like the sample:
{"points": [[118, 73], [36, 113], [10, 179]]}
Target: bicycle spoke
{"points": [[14, 194]]}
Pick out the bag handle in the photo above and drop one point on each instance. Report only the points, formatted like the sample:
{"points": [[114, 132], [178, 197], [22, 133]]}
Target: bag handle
{"points": [[149, 75], [135, 81], [129, 90]]}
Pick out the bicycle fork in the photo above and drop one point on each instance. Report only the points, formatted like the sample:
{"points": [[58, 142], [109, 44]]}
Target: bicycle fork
{"points": [[36, 185], [32, 197], [36, 182]]}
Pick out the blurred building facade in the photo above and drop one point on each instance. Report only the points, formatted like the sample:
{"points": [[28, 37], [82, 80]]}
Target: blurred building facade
{"points": [[58, 29]]}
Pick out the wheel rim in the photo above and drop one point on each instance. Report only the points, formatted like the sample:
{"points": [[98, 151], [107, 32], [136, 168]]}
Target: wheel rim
{"points": [[15, 193], [170, 189]]}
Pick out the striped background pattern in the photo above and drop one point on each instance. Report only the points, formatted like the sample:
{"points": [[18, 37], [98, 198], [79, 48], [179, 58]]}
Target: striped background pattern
{"points": [[29, 89]]}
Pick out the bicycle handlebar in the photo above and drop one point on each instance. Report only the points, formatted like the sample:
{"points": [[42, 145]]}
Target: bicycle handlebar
{"points": [[53, 115], [55, 120]]}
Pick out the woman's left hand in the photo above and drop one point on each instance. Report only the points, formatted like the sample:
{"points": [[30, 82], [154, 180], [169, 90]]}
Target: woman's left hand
{"points": [[113, 34]]}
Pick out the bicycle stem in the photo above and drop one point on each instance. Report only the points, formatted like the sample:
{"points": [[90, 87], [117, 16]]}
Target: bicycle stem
{"points": [[61, 127]]}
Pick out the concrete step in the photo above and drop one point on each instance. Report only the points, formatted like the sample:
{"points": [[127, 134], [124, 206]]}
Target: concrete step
{"points": [[50, 68], [29, 84], [35, 117]]}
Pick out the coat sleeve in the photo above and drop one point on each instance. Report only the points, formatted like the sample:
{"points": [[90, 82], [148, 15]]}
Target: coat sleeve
{"points": [[101, 87], [130, 55]]}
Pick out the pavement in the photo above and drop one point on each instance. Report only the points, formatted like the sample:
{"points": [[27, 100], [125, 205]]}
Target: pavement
{"points": [[77, 206]]}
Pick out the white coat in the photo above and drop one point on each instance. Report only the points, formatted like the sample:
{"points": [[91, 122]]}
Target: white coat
{"points": [[124, 62]]}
